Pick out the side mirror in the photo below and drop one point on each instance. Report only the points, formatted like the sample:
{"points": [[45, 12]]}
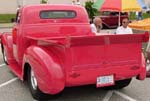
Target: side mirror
{"points": [[13, 20]]}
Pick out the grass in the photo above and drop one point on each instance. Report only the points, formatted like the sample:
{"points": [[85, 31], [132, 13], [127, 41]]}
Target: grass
{"points": [[6, 18], [133, 16], [146, 15]]}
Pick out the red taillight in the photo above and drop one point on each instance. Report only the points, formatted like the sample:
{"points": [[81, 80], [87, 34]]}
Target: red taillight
{"points": [[146, 37], [0, 35], [14, 34]]}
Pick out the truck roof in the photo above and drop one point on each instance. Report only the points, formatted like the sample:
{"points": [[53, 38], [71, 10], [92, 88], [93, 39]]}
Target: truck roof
{"points": [[31, 13]]}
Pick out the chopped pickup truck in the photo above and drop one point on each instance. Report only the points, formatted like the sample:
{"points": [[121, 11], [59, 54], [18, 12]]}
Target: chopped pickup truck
{"points": [[53, 47]]}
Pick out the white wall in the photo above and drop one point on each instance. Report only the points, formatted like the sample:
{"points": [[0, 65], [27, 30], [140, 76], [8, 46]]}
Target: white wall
{"points": [[66, 1], [27, 2], [147, 2], [10, 6]]}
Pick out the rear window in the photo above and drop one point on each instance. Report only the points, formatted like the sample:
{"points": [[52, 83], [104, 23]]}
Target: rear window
{"points": [[57, 14], [107, 13]]}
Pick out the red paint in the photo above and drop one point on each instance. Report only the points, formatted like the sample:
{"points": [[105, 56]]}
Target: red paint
{"points": [[66, 53], [113, 5]]}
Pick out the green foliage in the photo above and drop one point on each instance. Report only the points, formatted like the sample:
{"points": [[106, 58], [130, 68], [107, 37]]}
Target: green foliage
{"points": [[146, 15], [43, 1], [90, 10], [6, 18], [133, 16]]}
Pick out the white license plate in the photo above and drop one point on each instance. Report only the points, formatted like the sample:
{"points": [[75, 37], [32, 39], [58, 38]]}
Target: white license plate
{"points": [[105, 81]]}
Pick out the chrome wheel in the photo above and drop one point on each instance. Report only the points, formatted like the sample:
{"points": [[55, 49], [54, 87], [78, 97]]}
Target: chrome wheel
{"points": [[33, 80], [35, 91], [147, 65], [5, 58], [4, 55], [147, 68]]}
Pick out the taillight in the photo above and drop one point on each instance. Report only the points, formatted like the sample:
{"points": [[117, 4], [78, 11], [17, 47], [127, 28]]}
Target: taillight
{"points": [[0, 35], [146, 37]]}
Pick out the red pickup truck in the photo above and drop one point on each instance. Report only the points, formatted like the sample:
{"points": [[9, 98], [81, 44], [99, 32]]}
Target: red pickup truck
{"points": [[53, 47]]}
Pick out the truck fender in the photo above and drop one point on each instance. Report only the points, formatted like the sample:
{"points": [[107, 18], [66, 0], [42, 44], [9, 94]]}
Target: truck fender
{"points": [[48, 72], [7, 43], [142, 74]]}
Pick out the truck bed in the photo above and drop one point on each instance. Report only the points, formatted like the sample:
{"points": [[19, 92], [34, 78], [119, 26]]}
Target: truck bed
{"points": [[94, 56]]}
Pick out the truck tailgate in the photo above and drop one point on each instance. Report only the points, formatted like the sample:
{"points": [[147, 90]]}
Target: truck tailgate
{"points": [[102, 51], [89, 52], [91, 57]]}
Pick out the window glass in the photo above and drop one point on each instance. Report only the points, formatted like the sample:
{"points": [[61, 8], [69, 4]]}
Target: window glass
{"points": [[57, 14]]}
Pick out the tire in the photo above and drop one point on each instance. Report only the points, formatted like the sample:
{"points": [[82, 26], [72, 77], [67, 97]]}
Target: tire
{"points": [[4, 55], [147, 64], [34, 89], [119, 84], [147, 68]]}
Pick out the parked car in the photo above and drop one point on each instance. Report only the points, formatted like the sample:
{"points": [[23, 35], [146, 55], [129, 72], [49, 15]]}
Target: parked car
{"points": [[53, 47], [110, 19]]}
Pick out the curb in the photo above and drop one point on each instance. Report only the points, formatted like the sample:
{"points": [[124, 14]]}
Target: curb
{"points": [[6, 25]]}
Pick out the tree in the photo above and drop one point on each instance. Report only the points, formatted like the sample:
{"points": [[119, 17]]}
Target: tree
{"points": [[90, 10], [43, 1]]}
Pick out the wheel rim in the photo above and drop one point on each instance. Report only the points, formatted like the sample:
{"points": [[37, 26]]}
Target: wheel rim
{"points": [[33, 80], [5, 58]]}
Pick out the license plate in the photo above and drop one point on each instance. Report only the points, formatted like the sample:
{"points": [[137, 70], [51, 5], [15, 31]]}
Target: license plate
{"points": [[105, 81]]}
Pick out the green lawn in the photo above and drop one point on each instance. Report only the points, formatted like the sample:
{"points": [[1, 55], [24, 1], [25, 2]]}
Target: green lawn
{"points": [[6, 18], [133, 17], [146, 15]]}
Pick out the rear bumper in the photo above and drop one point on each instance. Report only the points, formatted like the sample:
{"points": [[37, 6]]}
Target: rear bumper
{"points": [[85, 77], [142, 74]]}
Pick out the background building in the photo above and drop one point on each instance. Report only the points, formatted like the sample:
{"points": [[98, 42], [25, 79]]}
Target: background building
{"points": [[10, 6], [147, 2]]}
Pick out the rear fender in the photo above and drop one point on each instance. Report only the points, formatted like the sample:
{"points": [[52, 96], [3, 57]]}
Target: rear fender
{"points": [[48, 72], [7, 44], [142, 74]]}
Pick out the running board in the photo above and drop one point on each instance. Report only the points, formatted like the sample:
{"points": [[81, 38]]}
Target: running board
{"points": [[16, 69]]}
